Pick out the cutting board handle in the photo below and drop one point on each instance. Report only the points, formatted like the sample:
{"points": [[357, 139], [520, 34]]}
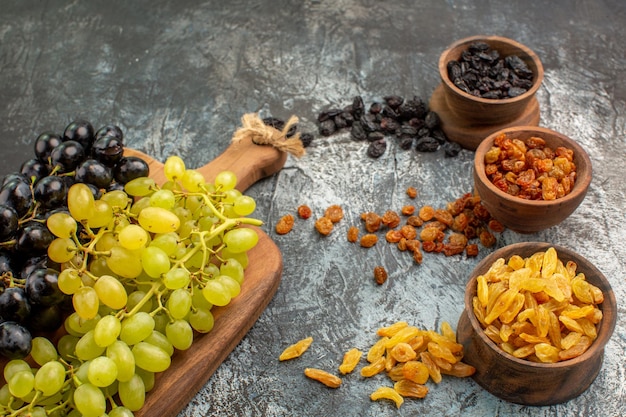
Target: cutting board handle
{"points": [[249, 161]]}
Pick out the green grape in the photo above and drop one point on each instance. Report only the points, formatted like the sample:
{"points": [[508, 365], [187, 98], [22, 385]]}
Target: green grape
{"points": [[216, 294], [49, 378], [244, 205], [14, 366], [195, 203], [195, 261], [66, 346], [151, 358], [233, 269], [89, 400], [159, 339], [198, 300], [174, 168], [160, 321], [241, 239], [230, 284], [21, 383], [77, 326], [107, 330], [167, 242], [124, 263], [120, 353], [102, 371], [136, 328], [111, 292], [155, 261], [86, 347], [69, 281], [163, 198], [116, 198], [230, 196], [111, 389], [132, 393], [176, 278], [211, 270], [201, 320], [120, 411], [180, 334], [106, 242], [102, 216], [61, 250], [133, 237], [85, 302], [5, 395], [80, 202], [186, 228], [81, 372], [61, 225], [99, 267], [206, 223], [43, 350], [140, 187], [158, 220], [135, 297], [147, 377], [179, 303], [225, 180], [139, 205], [192, 180]]}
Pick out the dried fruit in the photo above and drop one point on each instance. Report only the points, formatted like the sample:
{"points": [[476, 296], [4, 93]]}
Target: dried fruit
{"points": [[407, 388], [296, 350], [304, 211], [326, 378], [353, 234], [285, 224], [334, 213], [368, 240], [380, 275], [411, 192], [388, 394], [324, 226], [350, 360]]}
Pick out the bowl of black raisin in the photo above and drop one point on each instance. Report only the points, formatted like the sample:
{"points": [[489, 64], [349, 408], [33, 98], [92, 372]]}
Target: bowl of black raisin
{"points": [[488, 83]]}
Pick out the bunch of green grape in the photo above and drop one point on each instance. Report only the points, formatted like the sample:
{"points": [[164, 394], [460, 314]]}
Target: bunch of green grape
{"points": [[144, 267]]}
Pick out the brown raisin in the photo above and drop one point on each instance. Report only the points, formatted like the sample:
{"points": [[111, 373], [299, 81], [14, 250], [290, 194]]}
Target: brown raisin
{"points": [[393, 236], [408, 210], [487, 238], [471, 249], [334, 213], [444, 217], [369, 240], [324, 226], [285, 224], [353, 234], [304, 211], [429, 246], [460, 222], [408, 231], [413, 245], [372, 221], [495, 225], [411, 192], [391, 219], [380, 275], [426, 213], [414, 221]]}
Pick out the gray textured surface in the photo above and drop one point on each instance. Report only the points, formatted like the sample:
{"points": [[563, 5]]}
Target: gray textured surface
{"points": [[177, 76]]}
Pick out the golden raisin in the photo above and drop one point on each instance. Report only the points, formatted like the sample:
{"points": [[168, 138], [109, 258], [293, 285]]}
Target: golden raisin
{"points": [[415, 371], [368, 240], [407, 210], [296, 350], [426, 213], [407, 388], [411, 192], [353, 234], [373, 368], [350, 360], [388, 394], [380, 275], [403, 352], [392, 330], [444, 217], [285, 224], [324, 377], [334, 213], [391, 219], [324, 226], [414, 221], [304, 211], [393, 236]]}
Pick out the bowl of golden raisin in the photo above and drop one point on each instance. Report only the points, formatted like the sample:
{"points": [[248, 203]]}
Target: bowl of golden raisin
{"points": [[531, 178], [536, 321]]}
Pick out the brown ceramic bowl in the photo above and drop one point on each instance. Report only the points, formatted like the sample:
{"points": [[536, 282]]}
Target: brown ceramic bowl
{"points": [[522, 381], [489, 111], [529, 216]]}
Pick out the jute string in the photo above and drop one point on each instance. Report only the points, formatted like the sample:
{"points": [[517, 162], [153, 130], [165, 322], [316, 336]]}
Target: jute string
{"points": [[252, 127]]}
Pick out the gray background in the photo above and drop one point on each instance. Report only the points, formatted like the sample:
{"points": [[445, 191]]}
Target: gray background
{"points": [[178, 75]]}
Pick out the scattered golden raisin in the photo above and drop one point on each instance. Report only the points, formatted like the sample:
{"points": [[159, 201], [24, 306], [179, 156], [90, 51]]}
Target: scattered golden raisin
{"points": [[334, 213], [391, 219], [380, 275], [350, 360], [408, 388], [326, 378], [368, 240], [408, 210], [296, 350], [372, 221], [387, 393], [411, 192], [304, 211], [353, 234], [324, 226], [285, 224]]}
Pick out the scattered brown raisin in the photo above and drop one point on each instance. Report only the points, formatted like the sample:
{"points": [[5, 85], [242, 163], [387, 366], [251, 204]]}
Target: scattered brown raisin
{"points": [[372, 221], [408, 210], [408, 231], [380, 275], [411, 192], [334, 213], [369, 240], [426, 213], [324, 226], [285, 224], [391, 219], [487, 238], [393, 236], [353, 234], [304, 211], [471, 249], [414, 221], [495, 225]]}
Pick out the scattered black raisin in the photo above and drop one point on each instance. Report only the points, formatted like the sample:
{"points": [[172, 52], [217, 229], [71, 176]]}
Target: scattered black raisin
{"points": [[426, 144], [451, 149], [327, 127], [377, 148]]}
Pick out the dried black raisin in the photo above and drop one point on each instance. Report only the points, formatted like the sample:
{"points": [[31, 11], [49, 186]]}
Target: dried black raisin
{"points": [[327, 127], [377, 148], [426, 144]]}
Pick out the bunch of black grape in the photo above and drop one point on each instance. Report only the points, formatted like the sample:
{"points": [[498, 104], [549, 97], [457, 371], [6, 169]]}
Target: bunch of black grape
{"points": [[30, 301]]}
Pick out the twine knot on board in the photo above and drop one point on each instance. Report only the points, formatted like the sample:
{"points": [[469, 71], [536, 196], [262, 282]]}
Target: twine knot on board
{"points": [[261, 134]]}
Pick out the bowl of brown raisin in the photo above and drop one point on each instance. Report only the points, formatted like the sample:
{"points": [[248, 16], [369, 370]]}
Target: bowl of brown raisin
{"points": [[535, 323], [488, 83], [531, 178]]}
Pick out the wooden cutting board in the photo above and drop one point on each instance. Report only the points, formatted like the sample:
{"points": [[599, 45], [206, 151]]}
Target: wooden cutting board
{"points": [[192, 368]]}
